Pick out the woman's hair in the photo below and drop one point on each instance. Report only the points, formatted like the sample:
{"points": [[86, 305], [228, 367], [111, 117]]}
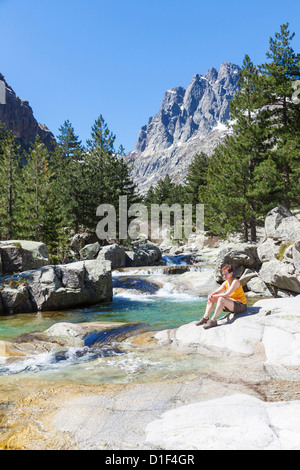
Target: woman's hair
{"points": [[228, 267]]}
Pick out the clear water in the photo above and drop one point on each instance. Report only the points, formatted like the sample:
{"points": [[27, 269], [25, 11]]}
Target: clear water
{"points": [[136, 299], [165, 308]]}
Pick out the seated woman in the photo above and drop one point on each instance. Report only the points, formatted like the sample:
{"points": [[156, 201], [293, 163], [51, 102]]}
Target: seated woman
{"points": [[229, 297]]}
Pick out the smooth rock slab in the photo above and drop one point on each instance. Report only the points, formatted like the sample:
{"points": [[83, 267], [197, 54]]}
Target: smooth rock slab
{"points": [[237, 338], [236, 422], [272, 323]]}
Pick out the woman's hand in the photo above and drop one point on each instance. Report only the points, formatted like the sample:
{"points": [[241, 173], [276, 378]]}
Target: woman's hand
{"points": [[212, 297]]}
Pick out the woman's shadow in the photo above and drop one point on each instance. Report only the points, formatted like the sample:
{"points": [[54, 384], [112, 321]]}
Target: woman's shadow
{"points": [[230, 317]]}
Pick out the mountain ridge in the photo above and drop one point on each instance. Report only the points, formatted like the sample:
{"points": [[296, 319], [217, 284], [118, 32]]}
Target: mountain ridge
{"points": [[17, 116], [190, 120]]}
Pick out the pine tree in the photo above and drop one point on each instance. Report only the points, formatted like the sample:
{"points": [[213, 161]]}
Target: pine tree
{"points": [[283, 114], [3, 132], [164, 191], [36, 190], [150, 197], [223, 196], [67, 163], [196, 177], [97, 189], [235, 199], [106, 174], [10, 185], [68, 142]]}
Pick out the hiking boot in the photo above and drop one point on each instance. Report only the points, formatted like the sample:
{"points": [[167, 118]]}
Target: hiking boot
{"points": [[202, 321], [210, 324]]}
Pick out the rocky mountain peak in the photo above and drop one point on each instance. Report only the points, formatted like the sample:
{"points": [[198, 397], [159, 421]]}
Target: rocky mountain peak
{"points": [[211, 75], [189, 121], [17, 115]]}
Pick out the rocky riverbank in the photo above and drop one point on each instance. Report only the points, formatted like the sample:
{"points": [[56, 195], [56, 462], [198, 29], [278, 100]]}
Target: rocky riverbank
{"points": [[251, 380], [242, 392]]}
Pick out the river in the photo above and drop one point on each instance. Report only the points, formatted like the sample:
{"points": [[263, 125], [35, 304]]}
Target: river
{"points": [[147, 297]]}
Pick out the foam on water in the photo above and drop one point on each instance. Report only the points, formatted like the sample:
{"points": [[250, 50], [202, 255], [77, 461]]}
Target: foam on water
{"points": [[55, 360], [170, 292], [130, 363], [137, 271], [131, 294]]}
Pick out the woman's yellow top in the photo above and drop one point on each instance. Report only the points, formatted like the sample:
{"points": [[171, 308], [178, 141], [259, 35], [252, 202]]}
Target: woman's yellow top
{"points": [[238, 295]]}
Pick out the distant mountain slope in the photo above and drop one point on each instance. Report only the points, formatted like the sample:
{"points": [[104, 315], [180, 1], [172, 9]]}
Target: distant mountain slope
{"points": [[189, 121], [18, 117]]}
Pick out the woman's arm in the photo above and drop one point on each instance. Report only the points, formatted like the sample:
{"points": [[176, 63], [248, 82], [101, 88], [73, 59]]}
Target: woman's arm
{"points": [[221, 289]]}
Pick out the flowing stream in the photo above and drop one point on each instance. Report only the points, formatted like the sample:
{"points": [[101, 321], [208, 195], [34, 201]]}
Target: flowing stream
{"points": [[145, 298]]}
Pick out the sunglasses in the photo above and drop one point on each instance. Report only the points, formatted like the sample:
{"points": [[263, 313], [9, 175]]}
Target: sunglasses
{"points": [[225, 274]]}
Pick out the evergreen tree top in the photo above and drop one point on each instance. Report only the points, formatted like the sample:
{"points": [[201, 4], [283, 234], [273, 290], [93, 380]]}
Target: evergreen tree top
{"points": [[284, 64]]}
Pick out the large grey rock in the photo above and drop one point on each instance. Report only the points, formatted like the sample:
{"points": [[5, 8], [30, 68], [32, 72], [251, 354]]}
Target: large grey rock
{"points": [[267, 250], [47, 291], [194, 282], [145, 255], [282, 225], [240, 256], [246, 277], [65, 286], [142, 254], [115, 254], [97, 281], [22, 255], [258, 287], [281, 275], [80, 240], [15, 300], [90, 251], [71, 275]]}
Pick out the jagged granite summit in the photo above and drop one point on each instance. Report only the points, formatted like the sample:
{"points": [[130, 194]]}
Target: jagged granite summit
{"points": [[189, 121], [18, 117]]}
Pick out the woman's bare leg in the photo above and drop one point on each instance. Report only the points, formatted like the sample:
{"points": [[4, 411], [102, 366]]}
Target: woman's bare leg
{"points": [[209, 308], [221, 303]]}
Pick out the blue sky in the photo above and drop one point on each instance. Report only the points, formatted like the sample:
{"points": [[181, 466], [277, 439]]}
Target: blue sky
{"points": [[75, 60]]}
